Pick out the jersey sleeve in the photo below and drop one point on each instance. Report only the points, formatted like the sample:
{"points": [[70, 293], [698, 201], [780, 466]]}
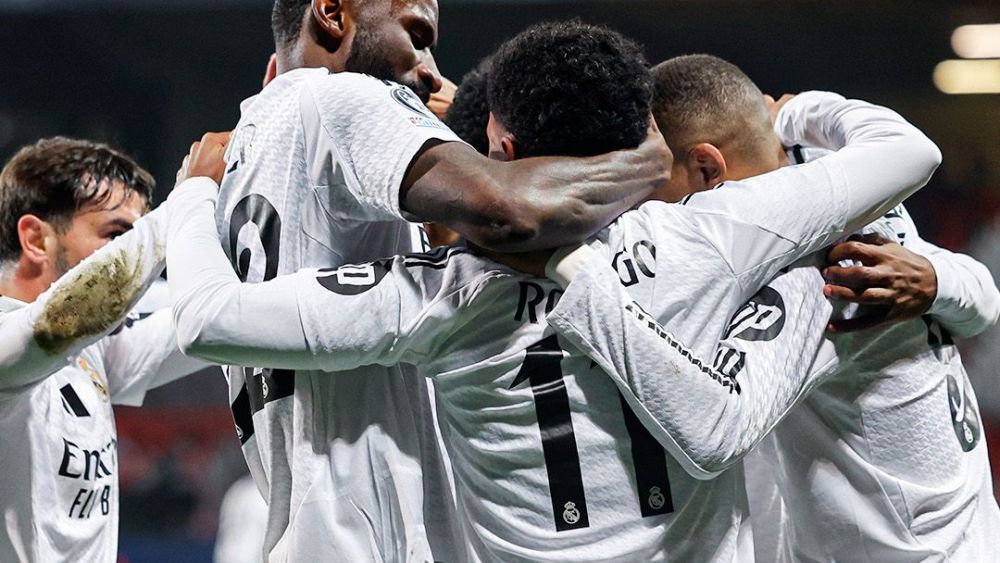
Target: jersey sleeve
{"points": [[81, 307], [143, 355], [363, 134], [968, 301], [384, 312], [762, 224], [708, 412]]}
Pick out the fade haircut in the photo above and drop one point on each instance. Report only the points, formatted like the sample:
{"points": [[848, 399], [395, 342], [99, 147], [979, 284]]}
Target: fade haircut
{"points": [[572, 89], [469, 114], [701, 98], [55, 178], [286, 20]]}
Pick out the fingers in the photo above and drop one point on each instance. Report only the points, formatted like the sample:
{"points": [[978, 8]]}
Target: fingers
{"points": [[866, 296], [857, 276], [871, 320], [867, 251]]}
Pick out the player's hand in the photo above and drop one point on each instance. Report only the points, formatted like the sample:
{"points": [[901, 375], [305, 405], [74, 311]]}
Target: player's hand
{"points": [[441, 100], [206, 158], [773, 107], [897, 283]]}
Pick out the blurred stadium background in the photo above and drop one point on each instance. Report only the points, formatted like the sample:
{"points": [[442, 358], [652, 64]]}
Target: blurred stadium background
{"points": [[150, 76]]}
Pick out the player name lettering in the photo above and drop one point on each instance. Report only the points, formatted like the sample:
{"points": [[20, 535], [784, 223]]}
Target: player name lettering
{"points": [[88, 465]]}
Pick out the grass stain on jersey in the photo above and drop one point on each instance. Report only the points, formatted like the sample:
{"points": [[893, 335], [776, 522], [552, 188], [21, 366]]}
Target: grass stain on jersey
{"points": [[91, 303]]}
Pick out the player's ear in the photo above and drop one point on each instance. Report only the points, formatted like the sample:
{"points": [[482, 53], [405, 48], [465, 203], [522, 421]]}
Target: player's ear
{"points": [[38, 239], [706, 167], [503, 144], [331, 17]]}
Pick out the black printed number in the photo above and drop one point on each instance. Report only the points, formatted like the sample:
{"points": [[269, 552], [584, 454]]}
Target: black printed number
{"points": [[542, 369], [260, 386]]}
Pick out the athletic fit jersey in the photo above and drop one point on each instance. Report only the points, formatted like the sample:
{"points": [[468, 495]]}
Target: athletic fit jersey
{"points": [[550, 462], [314, 173], [59, 493], [885, 461]]}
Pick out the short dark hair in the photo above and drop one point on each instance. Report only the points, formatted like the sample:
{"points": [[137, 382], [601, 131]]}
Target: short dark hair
{"points": [[286, 20], [702, 98], [469, 114], [570, 88], [54, 178]]}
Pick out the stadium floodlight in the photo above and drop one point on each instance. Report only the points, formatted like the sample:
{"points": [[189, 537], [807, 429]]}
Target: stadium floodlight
{"points": [[976, 41], [968, 76]]}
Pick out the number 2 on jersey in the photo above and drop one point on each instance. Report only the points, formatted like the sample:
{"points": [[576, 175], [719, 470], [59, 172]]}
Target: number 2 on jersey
{"points": [[542, 369]]}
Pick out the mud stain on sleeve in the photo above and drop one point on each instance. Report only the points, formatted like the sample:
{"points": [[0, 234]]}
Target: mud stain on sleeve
{"points": [[94, 301]]}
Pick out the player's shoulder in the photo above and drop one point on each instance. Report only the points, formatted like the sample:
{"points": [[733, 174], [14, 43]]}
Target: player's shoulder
{"points": [[8, 305], [327, 87]]}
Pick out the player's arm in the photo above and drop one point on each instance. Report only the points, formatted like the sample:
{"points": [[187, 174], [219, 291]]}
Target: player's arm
{"points": [[330, 320], [762, 224], [708, 412], [82, 306], [532, 203], [399, 161], [903, 281], [967, 300], [142, 355]]}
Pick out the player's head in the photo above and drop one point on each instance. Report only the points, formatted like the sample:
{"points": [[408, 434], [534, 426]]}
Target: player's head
{"points": [[470, 112], [62, 199], [387, 39], [714, 120], [568, 89]]}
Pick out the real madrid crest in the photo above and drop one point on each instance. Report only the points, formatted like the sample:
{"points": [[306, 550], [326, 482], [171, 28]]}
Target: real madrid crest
{"points": [[656, 500], [571, 515], [95, 378]]}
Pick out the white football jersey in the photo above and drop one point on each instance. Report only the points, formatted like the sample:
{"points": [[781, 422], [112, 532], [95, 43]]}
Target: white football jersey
{"points": [[550, 462], [59, 495], [885, 460], [314, 173]]}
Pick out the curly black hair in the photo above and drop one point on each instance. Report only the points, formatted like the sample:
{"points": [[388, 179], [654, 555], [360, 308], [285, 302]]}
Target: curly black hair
{"points": [[570, 88], [470, 112], [54, 178]]}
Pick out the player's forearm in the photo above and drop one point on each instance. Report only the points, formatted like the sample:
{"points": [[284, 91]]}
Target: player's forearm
{"points": [[967, 301], [708, 419], [217, 318], [883, 158], [532, 203], [82, 306]]}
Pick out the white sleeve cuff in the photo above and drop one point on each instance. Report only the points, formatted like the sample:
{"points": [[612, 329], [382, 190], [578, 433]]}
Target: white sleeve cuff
{"points": [[567, 262], [949, 290]]}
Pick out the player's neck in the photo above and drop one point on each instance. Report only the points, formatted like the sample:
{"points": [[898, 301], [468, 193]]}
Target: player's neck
{"points": [[308, 55], [15, 283]]}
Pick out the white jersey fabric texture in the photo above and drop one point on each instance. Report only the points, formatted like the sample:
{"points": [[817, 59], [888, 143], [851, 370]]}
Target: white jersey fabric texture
{"points": [[550, 462], [886, 459], [314, 174], [59, 496]]}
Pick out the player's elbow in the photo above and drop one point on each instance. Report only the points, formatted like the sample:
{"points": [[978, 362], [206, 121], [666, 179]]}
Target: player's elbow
{"points": [[192, 327], [922, 157], [709, 466]]}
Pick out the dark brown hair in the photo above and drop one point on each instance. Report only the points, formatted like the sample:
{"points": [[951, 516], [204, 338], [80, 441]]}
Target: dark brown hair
{"points": [[57, 177]]}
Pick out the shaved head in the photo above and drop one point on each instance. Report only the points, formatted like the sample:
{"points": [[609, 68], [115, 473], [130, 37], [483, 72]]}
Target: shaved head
{"points": [[704, 99]]}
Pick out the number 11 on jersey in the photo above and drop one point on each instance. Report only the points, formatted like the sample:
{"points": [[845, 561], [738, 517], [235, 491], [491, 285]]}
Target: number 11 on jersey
{"points": [[542, 369]]}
